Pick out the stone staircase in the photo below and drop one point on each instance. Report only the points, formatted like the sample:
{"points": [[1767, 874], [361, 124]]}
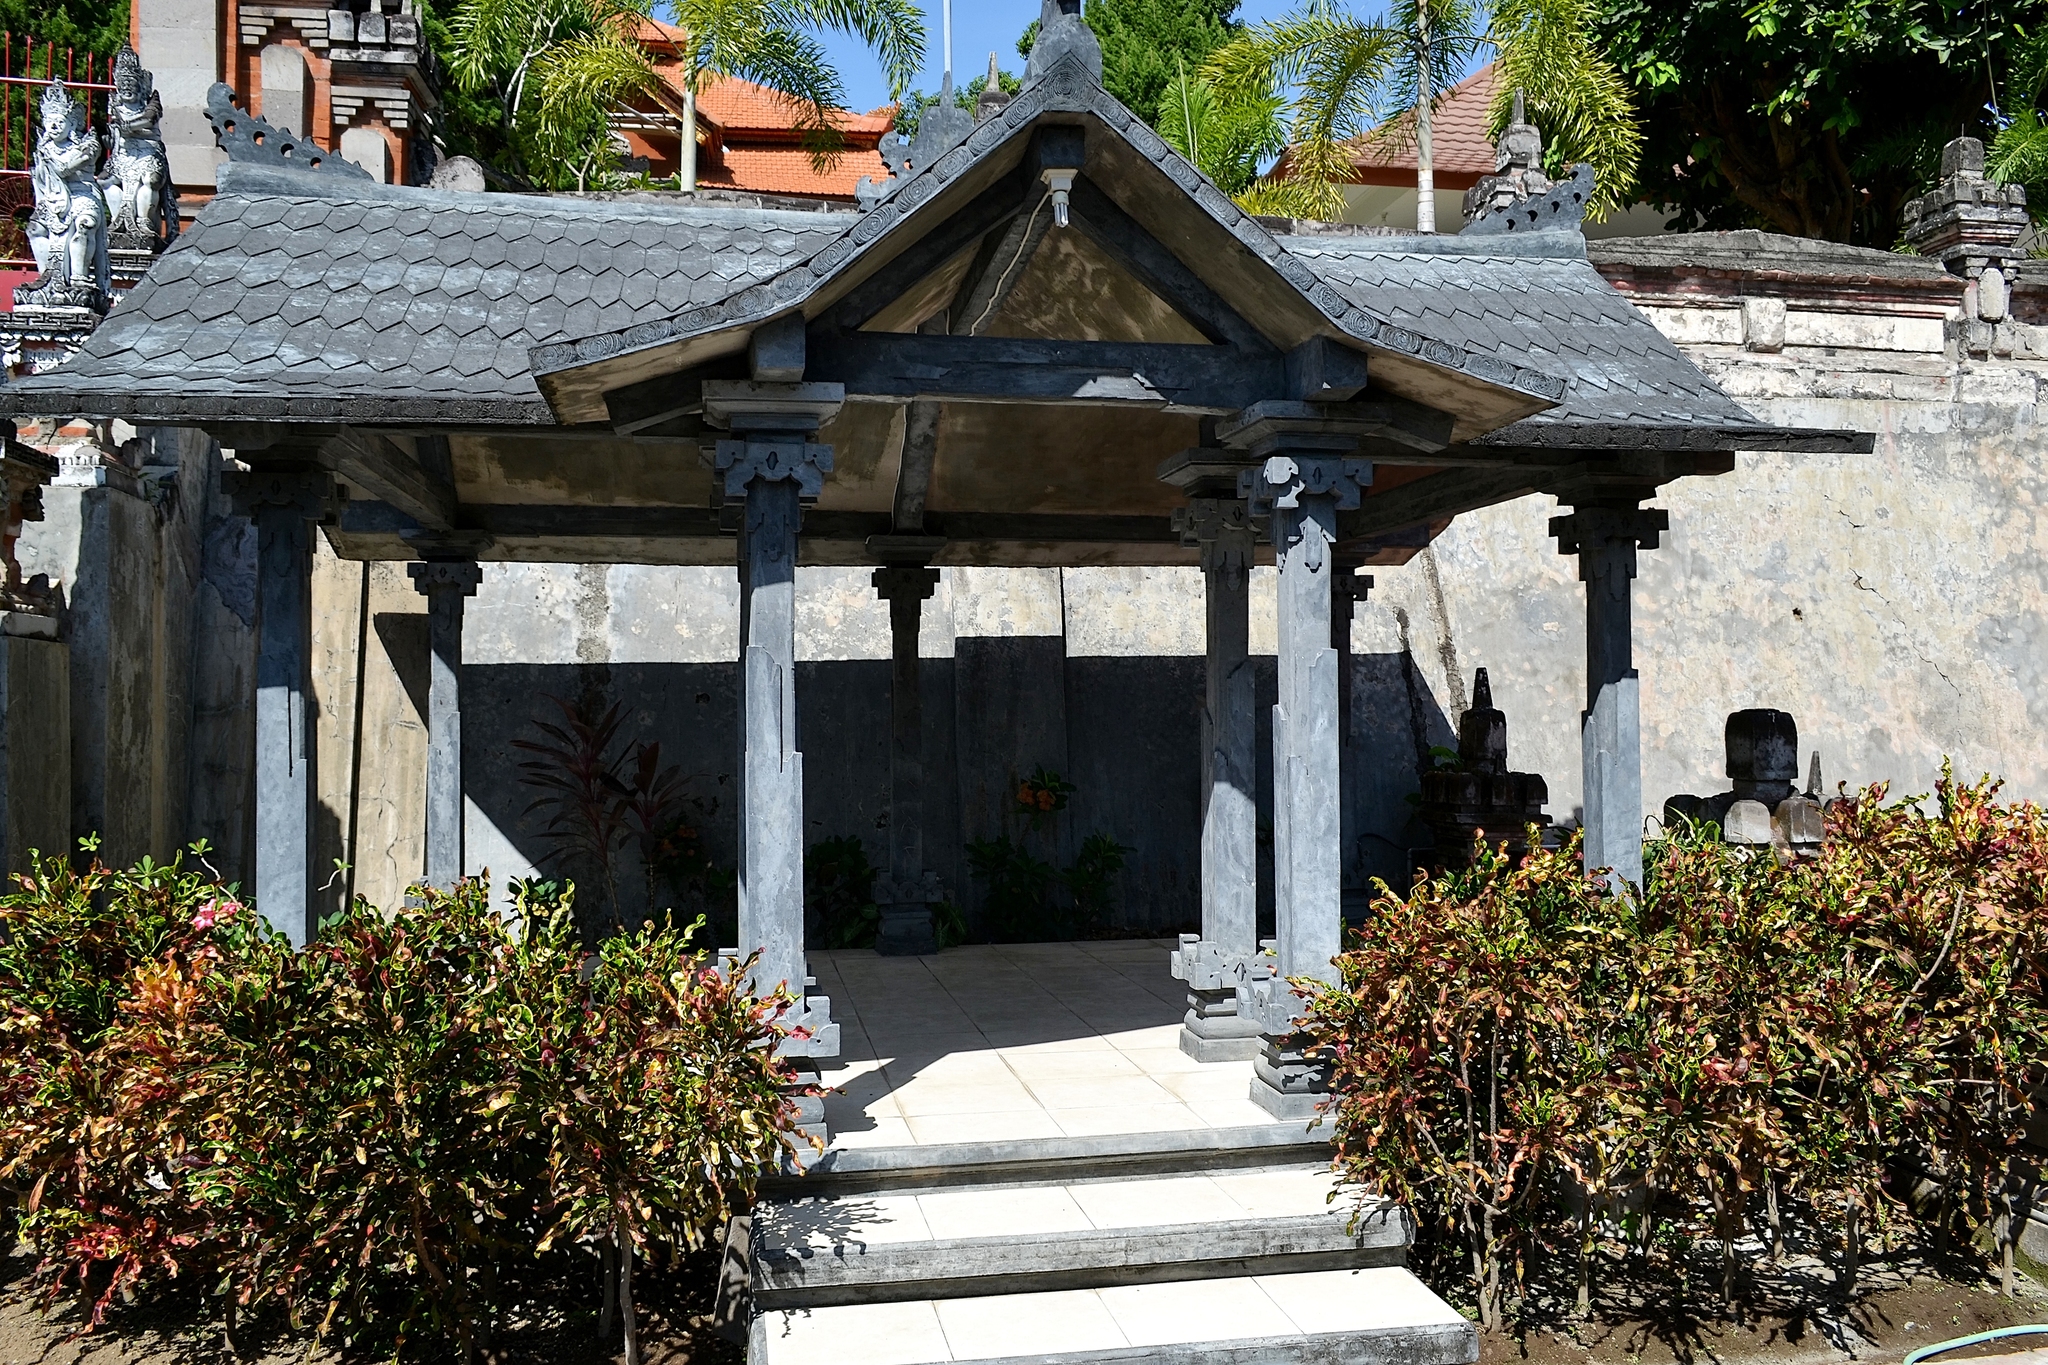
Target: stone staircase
{"points": [[1211, 1246]]}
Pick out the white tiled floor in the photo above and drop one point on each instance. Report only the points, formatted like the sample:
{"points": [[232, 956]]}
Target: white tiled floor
{"points": [[1035, 1040], [1277, 1306]]}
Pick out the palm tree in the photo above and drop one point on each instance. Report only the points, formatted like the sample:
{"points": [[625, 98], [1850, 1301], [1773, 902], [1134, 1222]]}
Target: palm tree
{"points": [[1227, 140], [559, 68], [2019, 154], [1380, 80]]}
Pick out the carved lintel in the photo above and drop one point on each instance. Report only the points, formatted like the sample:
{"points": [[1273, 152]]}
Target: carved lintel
{"points": [[1223, 529], [446, 575], [743, 463], [313, 494], [1282, 481], [907, 581], [1588, 530]]}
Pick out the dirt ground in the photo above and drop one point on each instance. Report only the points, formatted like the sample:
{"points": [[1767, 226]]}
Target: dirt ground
{"points": [[1788, 1315], [182, 1328]]}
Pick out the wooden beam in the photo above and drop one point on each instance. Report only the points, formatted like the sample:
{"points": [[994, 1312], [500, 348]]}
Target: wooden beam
{"points": [[376, 464], [988, 210], [892, 366], [1436, 498], [1148, 260], [914, 466]]}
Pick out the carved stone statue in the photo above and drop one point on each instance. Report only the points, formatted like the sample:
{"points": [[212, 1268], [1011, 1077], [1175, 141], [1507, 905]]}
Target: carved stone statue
{"points": [[67, 232], [143, 202]]}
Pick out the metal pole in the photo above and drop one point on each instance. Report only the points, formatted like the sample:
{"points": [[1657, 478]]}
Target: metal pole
{"points": [[948, 27]]}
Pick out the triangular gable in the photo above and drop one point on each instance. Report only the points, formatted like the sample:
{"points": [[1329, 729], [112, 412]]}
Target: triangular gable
{"points": [[933, 215]]}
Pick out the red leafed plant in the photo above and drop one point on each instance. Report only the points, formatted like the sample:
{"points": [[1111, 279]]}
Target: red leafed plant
{"points": [[368, 1131]]}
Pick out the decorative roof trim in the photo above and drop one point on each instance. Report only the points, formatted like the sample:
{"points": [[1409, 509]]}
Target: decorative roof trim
{"points": [[203, 407], [245, 137], [1066, 88]]}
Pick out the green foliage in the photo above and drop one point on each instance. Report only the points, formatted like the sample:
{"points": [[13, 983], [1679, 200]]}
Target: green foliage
{"points": [[366, 1132], [2019, 154], [1524, 1058], [1372, 79], [95, 26], [1147, 45], [839, 894], [1788, 114], [1227, 139], [1028, 900]]}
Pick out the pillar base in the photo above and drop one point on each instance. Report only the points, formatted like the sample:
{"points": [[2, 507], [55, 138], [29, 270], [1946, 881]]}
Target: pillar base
{"points": [[1214, 1031], [1287, 1082]]}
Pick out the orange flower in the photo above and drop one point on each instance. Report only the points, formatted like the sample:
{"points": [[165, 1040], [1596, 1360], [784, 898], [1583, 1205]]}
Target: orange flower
{"points": [[1024, 794], [1045, 800]]}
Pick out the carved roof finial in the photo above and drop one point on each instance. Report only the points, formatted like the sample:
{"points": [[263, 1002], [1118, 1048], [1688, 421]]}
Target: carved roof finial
{"points": [[245, 137]]}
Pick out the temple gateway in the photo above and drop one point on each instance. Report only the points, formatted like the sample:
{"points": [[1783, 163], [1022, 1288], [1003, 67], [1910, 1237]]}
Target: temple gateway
{"points": [[1047, 342]]}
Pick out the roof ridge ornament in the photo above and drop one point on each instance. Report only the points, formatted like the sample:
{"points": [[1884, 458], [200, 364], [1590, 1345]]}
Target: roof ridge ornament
{"points": [[249, 139], [1499, 199], [1062, 31], [1559, 207]]}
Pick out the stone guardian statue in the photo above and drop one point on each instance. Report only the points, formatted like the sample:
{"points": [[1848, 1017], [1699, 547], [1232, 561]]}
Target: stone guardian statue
{"points": [[140, 196], [67, 232]]}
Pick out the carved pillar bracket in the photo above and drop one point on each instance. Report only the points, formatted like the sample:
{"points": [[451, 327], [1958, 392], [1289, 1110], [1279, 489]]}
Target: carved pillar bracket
{"points": [[908, 892], [772, 467], [1610, 736], [283, 504], [1306, 474], [444, 583]]}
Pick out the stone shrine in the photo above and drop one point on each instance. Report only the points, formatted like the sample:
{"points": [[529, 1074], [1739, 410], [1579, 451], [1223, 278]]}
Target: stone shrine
{"points": [[1763, 806], [1479, 794]]}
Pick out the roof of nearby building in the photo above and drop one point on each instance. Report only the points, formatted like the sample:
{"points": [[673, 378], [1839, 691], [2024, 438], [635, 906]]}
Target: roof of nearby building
{"points": [[1461, 149]]}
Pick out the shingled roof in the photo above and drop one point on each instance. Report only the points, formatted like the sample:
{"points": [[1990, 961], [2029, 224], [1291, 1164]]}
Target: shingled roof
{"points": [[301, 295], [1545, 305]]}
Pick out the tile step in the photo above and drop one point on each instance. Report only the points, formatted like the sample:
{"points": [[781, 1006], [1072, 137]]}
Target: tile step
{"points": [[1377, 1316], [1063, 1158], [954, 1242]]}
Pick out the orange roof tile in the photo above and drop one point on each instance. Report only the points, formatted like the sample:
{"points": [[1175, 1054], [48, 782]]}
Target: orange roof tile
{"points": [[787, 170], [738, 106], [1462, 150]]}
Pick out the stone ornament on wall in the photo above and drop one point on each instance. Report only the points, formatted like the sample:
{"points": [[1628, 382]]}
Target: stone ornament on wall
{"points": [[67, 231], [23, 472]]}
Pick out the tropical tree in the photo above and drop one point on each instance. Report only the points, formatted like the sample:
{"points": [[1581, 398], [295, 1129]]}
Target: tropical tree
{"points": [[1379, 80], [1809, 118], [2019, 154], [560, 68], [1227, 139]]}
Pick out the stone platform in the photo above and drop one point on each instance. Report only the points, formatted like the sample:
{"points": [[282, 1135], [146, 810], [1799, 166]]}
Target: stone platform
{"points": [[1025, 1166], [1001, 1043]]}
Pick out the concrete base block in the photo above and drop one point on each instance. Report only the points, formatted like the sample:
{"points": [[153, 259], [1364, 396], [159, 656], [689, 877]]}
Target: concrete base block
{"points": [[35, 748], [1287, 1104], [1209, 1047]]}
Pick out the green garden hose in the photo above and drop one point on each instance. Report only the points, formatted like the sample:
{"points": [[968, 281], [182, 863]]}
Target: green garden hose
{"points": [[1915, 1357]]}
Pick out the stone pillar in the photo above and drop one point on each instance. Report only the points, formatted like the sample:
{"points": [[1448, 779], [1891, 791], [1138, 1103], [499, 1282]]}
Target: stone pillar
{"points": [[771, 467], [1347, 589], [35, 681], [1610, 731], [1226, 954], [1972, 225], [906, 895], [444, 583], [283, 506], [1302, 481]]}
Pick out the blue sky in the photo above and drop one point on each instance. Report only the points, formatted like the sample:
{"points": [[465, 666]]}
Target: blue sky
{"points": [[979, 28]]}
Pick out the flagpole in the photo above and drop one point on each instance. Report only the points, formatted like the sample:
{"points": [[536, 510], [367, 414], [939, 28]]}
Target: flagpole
{"points": [[947, 7]]}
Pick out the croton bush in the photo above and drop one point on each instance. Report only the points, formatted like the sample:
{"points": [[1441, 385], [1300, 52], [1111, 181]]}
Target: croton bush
{"points": [[364, 1133], [1739, 1048]]}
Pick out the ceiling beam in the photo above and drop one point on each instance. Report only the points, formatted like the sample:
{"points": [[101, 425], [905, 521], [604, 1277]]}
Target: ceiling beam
{"points": [[990, 209], [896, 366], [379, 466], [1148, 260]]}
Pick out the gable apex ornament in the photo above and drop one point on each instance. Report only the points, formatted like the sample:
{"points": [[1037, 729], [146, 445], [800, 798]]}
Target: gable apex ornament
{"points": [[1063, 32], [247, 138]]}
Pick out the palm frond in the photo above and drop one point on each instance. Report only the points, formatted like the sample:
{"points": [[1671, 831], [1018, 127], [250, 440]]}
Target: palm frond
{"points": [[1583, 104], [893, 29]]}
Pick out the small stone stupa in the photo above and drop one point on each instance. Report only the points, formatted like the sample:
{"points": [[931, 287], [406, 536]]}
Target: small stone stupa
{"points": [[1480, 793]]}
